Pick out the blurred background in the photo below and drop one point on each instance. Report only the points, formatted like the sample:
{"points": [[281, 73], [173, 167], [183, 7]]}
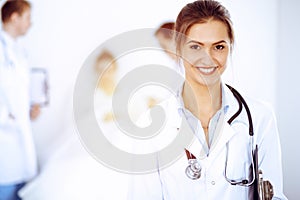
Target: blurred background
{"points": [[264, 63]]}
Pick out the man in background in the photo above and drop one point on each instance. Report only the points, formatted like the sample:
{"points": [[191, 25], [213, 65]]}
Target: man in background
{"points": [[18, 163]]}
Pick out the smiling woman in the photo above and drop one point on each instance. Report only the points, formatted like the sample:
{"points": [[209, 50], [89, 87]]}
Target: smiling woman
{"points": [[219, 156], [205, 52], [204, 41]]}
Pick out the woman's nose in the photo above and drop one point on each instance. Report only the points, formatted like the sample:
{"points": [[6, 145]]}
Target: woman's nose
{"points": [[205, 58]]}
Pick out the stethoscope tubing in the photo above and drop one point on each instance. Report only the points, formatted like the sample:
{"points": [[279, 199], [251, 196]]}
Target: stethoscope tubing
{"points": [[193, 170]]}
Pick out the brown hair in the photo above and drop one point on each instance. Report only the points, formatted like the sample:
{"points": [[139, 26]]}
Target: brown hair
{"points": [[13, 6], [166, 29], [105, 55], [201, 11]]}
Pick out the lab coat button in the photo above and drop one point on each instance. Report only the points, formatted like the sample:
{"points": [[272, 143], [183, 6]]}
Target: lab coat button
{"points": [[213, 182]]}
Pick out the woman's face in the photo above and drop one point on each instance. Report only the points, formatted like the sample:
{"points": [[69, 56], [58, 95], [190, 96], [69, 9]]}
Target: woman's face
{"points": [[205, 52]]}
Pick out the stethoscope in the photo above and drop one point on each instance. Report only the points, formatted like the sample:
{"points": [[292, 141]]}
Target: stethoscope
{"points": [[193, 170]]}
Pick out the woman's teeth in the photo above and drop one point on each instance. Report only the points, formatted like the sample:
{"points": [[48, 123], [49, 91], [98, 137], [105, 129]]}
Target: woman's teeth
{"points": [[206, 70]]}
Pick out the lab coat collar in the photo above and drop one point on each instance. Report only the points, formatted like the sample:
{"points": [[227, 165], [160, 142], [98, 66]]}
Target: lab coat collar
{"points": [[230, 106], [7, 39], [226, 133], [225, 102]]}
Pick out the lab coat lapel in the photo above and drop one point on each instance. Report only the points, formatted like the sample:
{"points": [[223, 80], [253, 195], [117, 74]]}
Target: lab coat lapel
{"points": [[225, 130], [226, 133], [182, 127], [198, 147]]}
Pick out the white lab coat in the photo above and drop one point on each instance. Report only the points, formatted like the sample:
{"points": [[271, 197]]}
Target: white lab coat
{"points": [[171, 183], [17, 153]]}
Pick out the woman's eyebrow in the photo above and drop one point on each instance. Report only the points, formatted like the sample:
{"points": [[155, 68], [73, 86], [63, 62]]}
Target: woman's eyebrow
{"points": [[200, 43], [194, 41], [221, 41]]}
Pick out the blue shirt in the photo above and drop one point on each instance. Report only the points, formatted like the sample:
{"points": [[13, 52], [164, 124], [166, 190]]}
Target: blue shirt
{"points": [[195, 123]]}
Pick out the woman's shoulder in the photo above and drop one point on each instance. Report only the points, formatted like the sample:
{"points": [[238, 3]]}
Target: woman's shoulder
{"points": [[256, 106], [259, 105], [262, 111]]}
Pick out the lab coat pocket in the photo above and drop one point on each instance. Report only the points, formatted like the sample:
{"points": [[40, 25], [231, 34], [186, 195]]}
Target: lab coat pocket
{"points": [[6, 78], [238, 157], [6, 116]]}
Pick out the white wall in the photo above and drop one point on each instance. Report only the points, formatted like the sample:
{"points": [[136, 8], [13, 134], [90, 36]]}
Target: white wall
{"points": [[64, 33], [289, 93], [61, 41]]}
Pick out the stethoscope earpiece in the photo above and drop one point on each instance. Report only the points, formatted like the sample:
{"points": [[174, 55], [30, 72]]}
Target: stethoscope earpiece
{"points": [[193, 170]]}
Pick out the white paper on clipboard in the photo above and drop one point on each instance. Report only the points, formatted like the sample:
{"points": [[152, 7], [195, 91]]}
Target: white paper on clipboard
{"points": [[39, 87]]}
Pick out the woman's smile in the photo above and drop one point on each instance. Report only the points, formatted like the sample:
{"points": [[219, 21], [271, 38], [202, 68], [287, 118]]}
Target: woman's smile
{"points": [[207, 70]]}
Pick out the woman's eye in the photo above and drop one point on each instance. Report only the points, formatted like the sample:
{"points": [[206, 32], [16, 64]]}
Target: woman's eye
{"points": [[195, 46], [220, 47]]}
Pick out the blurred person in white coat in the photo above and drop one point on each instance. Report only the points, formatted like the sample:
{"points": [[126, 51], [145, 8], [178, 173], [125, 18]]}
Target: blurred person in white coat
{"points": [[18, 162]]}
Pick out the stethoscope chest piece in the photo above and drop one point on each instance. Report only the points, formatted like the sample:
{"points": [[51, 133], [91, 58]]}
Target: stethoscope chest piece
{"points": [[193, 170]]}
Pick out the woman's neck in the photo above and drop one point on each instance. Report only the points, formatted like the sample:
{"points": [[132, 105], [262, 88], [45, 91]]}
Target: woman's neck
{"points": [[202, 100]]}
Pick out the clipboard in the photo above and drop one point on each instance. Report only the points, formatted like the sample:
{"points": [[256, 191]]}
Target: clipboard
{"points": [[254, 188], [39, 87]]}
